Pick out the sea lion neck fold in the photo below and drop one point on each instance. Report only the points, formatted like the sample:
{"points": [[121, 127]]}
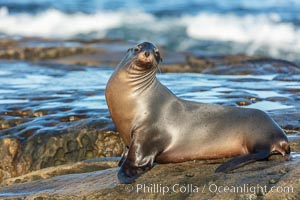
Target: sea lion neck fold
{"points": [[141, 82]]}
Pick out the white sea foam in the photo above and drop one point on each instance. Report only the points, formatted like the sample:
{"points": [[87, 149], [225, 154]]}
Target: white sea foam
{"points": [[54, 23], [258, 31], [255, 32]]}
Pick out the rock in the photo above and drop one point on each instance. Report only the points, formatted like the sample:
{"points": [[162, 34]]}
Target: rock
{"points": [[164, 181], [11, 164], [45, 150], [7, 42], [73, 168], [105, 52], [241, 65], [42, 53], [288, 119]]}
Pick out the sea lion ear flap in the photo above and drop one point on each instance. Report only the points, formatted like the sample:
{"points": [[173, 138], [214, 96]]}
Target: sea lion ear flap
{"points": [[161, 59], [129, 49]]}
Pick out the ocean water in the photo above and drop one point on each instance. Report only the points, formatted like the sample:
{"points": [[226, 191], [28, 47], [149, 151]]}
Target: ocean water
{"points": [[41, 99], [269, 27]]}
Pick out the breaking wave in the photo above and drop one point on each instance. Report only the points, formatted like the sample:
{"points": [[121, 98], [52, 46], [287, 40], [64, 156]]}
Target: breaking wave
{"points": [[253, 33]]}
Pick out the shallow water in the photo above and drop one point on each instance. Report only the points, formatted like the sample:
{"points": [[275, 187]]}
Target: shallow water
{"points": [[38, 98]]}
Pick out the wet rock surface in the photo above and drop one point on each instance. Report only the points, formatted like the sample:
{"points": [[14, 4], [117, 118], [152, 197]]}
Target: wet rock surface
{"points": [[44, 150], [53, 114], [89, 165], [105, 52], [275, 179], [241, 65], [39, 50]]}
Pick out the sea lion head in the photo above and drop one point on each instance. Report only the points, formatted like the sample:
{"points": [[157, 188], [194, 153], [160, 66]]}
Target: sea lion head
{"points": [[144, 57]]}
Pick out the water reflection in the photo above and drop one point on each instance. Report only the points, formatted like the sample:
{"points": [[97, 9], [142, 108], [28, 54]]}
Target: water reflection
{"points": [[52, 92]]}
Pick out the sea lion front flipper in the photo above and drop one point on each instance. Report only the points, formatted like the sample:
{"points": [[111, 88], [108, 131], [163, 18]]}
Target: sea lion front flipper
{"points": [[139, 159], [240, 161], [124, 156]]}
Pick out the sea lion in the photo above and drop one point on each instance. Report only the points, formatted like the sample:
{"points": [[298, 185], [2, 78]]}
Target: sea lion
{"points": [[157, 126]]}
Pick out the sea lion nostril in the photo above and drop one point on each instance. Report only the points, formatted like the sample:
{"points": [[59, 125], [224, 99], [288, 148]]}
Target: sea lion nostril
{"points": [[147, 53]]}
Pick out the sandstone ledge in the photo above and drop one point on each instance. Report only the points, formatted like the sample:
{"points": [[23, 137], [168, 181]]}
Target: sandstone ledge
{"points": [[199, 175]]}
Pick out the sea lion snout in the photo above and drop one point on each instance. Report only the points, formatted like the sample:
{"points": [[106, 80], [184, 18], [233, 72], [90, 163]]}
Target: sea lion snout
{"points": [[147, 53], [146, 60], [148, 50]]}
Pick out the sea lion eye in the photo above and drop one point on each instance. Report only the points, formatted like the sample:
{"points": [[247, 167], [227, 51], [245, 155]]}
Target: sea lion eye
{"points": [[157, 54], [138, 48]]}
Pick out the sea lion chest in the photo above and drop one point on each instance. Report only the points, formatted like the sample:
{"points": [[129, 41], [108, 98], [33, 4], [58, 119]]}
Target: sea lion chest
{"points": [[122, 105]]}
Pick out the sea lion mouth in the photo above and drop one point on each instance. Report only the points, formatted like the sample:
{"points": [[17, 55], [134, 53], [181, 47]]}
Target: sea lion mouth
{"points": [[148, 50], [144, 64], [144, 56], [145, 60]]}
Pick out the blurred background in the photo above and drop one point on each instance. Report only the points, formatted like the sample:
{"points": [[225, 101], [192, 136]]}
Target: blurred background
{"points": [[269, 27]]}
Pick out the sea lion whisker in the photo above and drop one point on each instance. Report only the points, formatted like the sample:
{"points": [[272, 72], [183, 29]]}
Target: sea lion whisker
{"points": [[159, 70]]}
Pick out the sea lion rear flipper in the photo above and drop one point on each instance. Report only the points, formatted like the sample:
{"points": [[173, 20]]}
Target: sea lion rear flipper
{"points": [[240, 161]]}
